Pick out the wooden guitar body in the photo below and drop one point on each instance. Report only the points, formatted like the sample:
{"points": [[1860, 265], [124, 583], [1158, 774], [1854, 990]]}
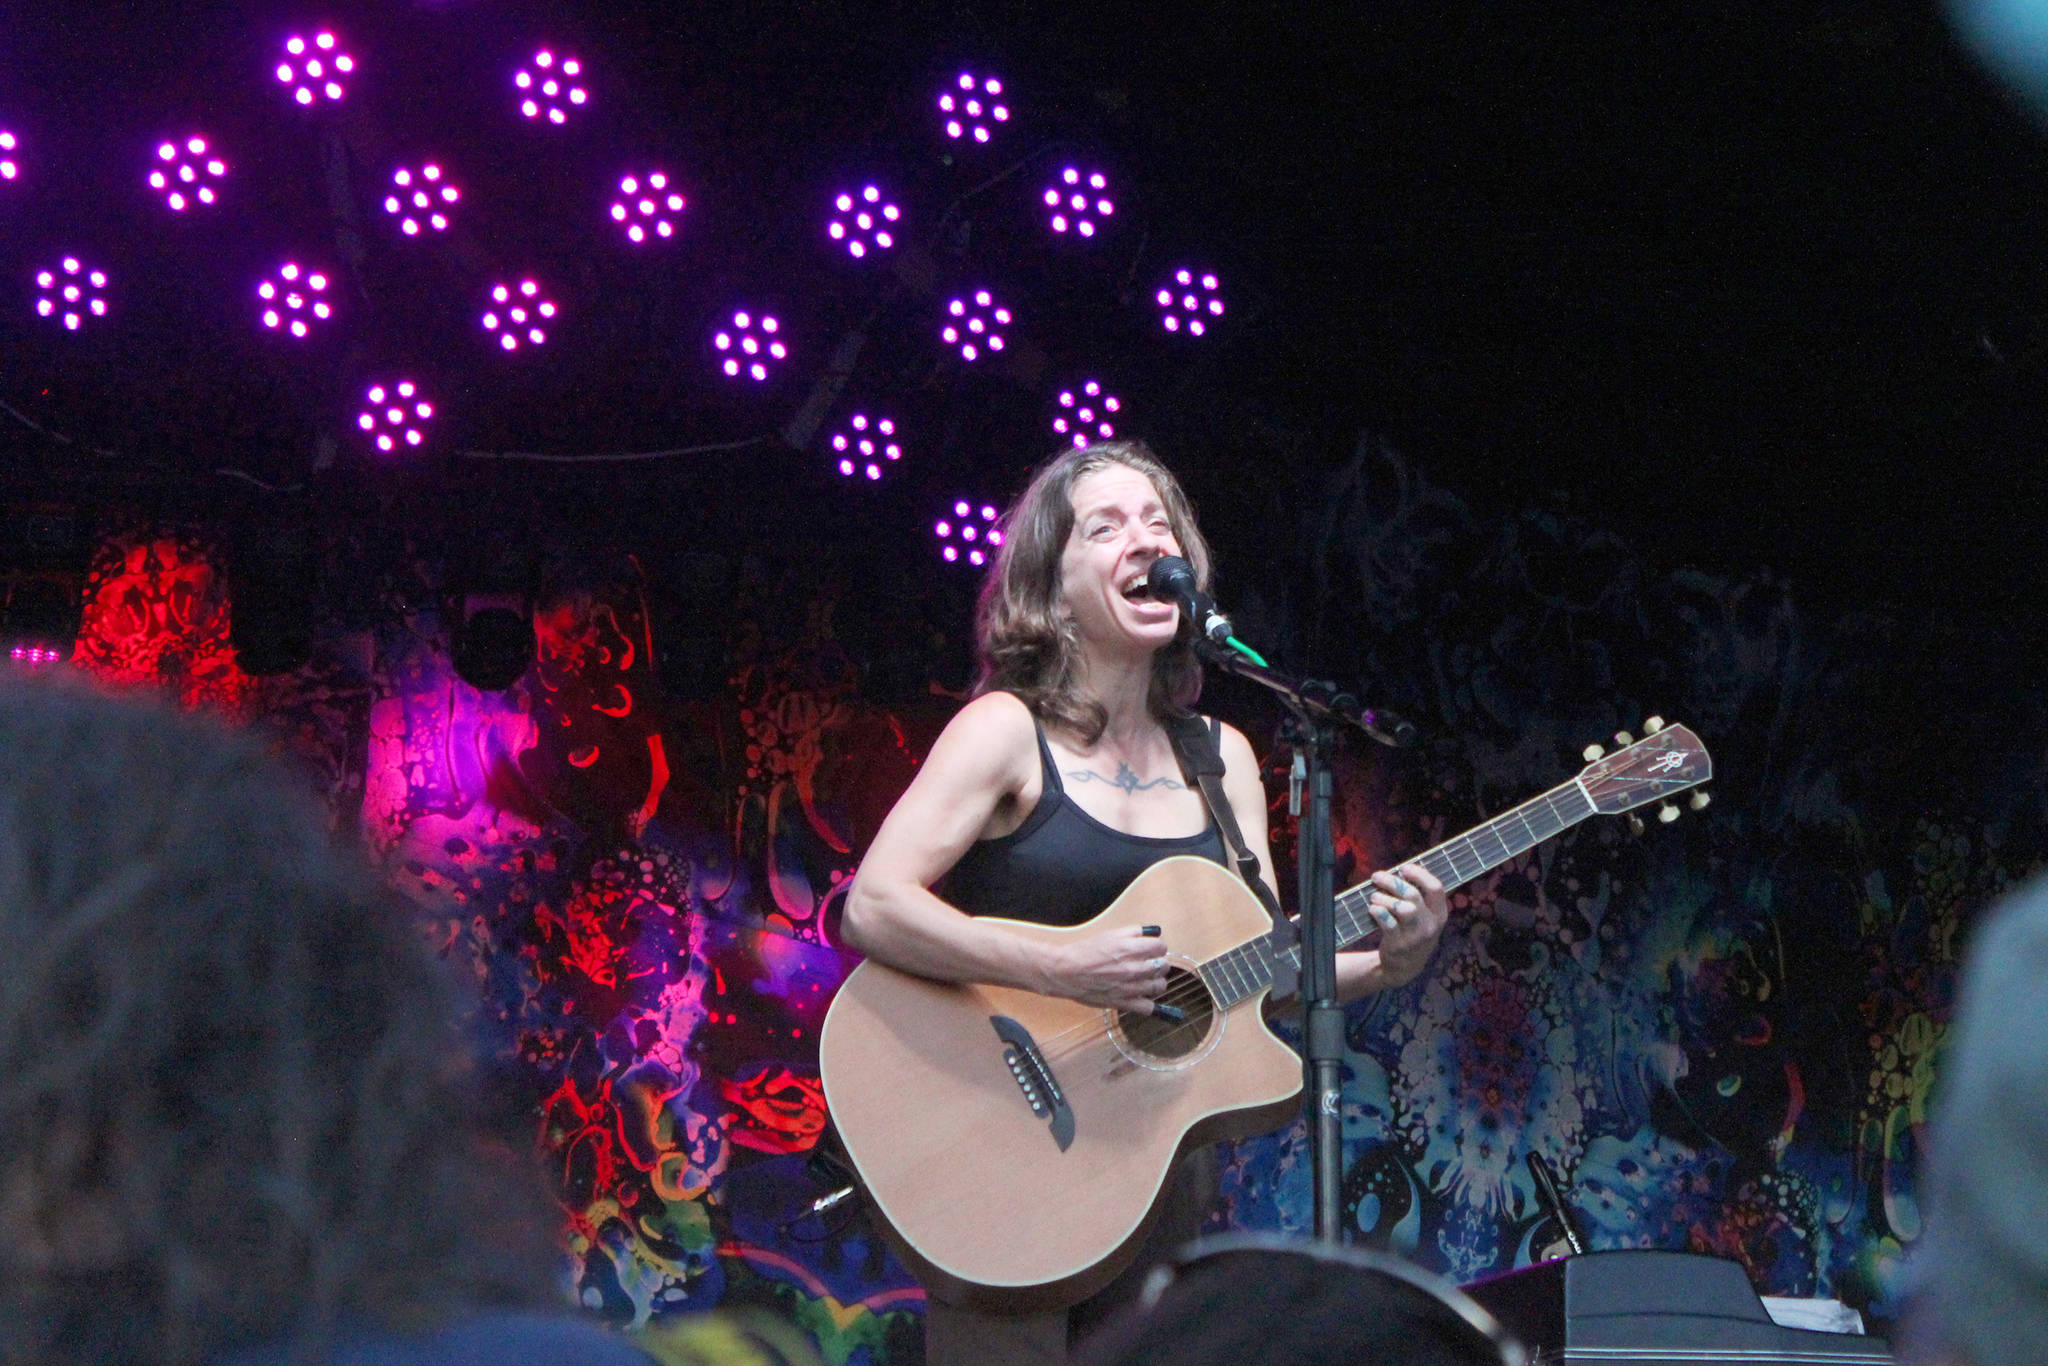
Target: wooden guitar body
{"points": [[1001, 1201], [1014, 1146]]}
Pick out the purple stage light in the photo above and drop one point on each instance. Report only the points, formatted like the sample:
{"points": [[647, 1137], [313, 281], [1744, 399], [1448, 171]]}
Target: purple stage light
{"points": [[517, 313], [71, 293], [1085, 412], [8, 144], [394, 416], [314, 67], [974, 107], [550, 87], [421, 200], [1078, 200], [295, 300], [751, 346], [969, 534], [185, 173], [34, 656], [975, 324], [1189, 301], [863, 222], [647, 207], [867, 446]]}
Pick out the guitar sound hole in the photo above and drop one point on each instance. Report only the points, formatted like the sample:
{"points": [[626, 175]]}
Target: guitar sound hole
{"points": [[1168, 1039]]}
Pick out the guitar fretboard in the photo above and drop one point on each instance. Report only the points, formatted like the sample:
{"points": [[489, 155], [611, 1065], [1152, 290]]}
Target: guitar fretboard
{"points": [[1246, 970]]}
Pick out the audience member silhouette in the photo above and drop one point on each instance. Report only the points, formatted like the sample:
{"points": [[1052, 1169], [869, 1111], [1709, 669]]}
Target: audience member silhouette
{"points": [[1980, 1273], [1256, 1300], [235, 1116]]}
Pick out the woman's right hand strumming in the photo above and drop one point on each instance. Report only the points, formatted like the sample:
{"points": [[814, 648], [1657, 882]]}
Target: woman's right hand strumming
{"points": [[1121, 969]]}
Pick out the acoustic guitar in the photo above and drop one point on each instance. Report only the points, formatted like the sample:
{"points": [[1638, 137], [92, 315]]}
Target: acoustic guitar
{"points": [[1013, 1146]]}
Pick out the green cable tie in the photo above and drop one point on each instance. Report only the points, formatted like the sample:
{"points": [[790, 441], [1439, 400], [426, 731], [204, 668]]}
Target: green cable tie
{"points": [[1247, 651]]}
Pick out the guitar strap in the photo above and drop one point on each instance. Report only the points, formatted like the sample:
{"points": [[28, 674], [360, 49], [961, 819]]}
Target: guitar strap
{"points": [[1195, 745]]}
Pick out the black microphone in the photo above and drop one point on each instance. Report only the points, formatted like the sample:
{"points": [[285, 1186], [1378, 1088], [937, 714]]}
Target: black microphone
{"points": [[1172, 579], [1553, 1200]]}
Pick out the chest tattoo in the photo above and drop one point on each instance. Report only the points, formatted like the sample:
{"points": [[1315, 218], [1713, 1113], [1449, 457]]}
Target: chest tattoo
{"points": [[1125, 780]]}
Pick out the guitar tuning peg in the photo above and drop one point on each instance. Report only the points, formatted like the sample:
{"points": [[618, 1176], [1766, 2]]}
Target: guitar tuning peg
{"points": [[1593, 753], [1635, 824], [1699, 799], [1666, 812], [1653, 725], [1624, 739]]}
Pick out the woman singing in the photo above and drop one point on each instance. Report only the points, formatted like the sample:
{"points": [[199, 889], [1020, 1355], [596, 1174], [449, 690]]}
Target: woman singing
{"points": [[1056, 786]]}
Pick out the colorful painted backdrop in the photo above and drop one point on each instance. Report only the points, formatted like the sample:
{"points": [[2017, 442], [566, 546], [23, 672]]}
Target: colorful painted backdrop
{"points": [[1723, 1033]]}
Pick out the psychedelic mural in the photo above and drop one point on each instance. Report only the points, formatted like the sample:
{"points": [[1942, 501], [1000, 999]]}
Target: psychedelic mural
{"points": [[1722, 1033], [639, 891], [156, 613]]}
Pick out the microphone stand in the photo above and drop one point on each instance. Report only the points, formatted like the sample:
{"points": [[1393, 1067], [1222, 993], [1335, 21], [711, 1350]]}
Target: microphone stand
{"points": [[1316, 709]]}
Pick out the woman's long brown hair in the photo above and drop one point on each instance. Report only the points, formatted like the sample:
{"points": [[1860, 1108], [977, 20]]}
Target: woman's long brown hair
{"points": [[1026, 639]]}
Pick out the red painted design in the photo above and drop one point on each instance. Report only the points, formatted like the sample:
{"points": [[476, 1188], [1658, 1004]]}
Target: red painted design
{"points": [[157, 614], [779, 1110]]}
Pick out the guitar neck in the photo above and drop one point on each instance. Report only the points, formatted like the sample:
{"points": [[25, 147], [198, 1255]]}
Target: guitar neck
{"points": [[1246, 970]]}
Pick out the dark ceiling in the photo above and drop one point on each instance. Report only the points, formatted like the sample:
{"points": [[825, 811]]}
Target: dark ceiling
{"points": [[1754, 284]]}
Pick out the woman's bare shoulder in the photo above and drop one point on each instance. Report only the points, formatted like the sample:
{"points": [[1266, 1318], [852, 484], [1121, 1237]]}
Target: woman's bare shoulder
{"points": [[1001, 714], [994, 733]]}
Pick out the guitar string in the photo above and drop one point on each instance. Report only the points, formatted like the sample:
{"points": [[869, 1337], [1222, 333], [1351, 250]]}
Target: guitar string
{"points": [[1192, 988], [1189, 990], [1186, 993], [1103, 1024], [1101, 1029]]}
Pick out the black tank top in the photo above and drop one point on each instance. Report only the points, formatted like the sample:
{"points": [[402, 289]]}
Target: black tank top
{"points": [[1061, 866]]}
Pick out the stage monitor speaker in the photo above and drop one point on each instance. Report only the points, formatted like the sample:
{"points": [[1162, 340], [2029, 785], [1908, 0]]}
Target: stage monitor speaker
{"points": [[1650, 1308]]}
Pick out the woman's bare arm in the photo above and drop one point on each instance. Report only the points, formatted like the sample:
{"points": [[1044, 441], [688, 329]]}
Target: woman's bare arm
{"points": [[1418, 919], [984, 755]]}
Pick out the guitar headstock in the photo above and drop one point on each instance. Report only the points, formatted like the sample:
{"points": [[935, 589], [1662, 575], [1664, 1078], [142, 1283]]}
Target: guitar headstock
{"points": [[1662, 764]]}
